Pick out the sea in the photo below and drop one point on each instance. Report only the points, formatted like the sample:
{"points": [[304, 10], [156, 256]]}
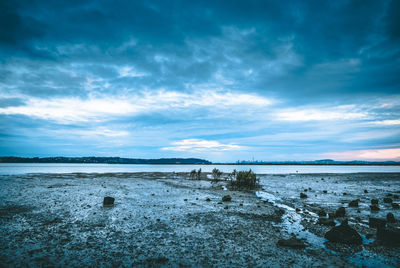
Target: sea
{"points": [[25, 168]]}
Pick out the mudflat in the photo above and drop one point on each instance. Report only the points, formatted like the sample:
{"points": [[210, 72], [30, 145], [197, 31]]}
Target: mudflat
{"points": [[168, 219]]}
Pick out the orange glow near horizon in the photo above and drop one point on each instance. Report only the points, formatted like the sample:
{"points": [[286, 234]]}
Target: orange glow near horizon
{"points": [[374, 154]]}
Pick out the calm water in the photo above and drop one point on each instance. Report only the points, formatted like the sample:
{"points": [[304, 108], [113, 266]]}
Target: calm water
{"points": [[259, 169]]}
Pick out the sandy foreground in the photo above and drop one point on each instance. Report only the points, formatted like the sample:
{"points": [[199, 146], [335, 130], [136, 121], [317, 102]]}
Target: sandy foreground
{"points": [[167, 219]]}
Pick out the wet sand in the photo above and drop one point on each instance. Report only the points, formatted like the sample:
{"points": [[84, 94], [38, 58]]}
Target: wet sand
{"points": [[164, 219]]}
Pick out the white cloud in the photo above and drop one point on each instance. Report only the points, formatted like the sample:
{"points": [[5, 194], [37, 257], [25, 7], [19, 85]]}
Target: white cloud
{"points": [[201, 145], [100, 108], [102, 131], [130, 72], [394, 122], [334, 113]]}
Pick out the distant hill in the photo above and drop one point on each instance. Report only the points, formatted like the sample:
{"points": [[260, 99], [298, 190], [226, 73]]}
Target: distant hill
{"points": [[102, 160], [318, 162], [183, 161]]}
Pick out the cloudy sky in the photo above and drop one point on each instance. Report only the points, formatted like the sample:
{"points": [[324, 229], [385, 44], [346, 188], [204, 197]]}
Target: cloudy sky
{"points": [[220, 80]]}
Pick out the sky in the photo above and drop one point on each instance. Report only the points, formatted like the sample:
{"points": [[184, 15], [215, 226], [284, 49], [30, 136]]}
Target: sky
{"points": [[218, 80]]}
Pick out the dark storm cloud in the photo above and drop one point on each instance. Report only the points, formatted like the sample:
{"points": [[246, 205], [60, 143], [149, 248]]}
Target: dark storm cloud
{"points": [[190, 37]]}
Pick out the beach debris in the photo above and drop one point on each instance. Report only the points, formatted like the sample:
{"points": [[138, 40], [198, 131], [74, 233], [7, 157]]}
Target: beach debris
{"points": [[321, 213], [387, 200], [374, 201], [374, 207], [226, 198], [375, 222], [344, 234], [390, 218], [389, 236], [303, 195], [108, 201], [293, 242], [353, 203], [326, 221], [395, 206], [340, 212]]}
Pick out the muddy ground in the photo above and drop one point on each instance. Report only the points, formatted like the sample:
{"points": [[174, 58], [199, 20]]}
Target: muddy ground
{"points": [[163, 219]]}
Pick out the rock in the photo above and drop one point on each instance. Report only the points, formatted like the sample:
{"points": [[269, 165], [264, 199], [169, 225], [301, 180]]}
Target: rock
{"points": [[353, 203], [390, 218], [344, 193], [302, 195], [298, 210], [185, 200], [327, 222], [226, 207], [395, 196], [321, 213], [389, 194], [291, 243], [374, 207], [226, 198], [331, 215], [344, 234], [365, 191], [325, 191], [375, 222], [374, 201], [208, 199], [387, 200], [388, 236], [305, 190], [241, 204], [395, 206], [108, 201], [279, 212], [340, 212]]}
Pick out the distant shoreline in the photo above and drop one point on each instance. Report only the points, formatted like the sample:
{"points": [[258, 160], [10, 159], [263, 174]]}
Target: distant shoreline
{"points": [[182, 161], [209, 164]]}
